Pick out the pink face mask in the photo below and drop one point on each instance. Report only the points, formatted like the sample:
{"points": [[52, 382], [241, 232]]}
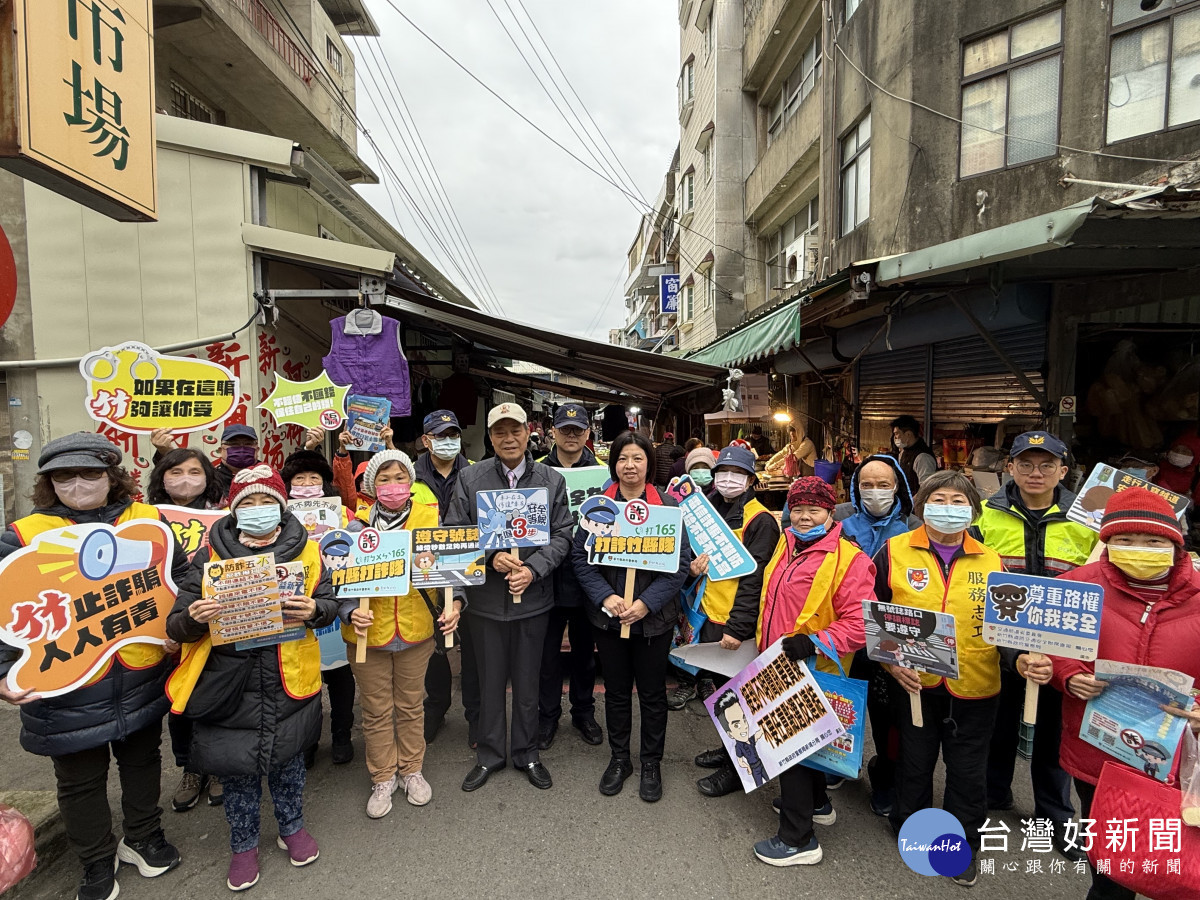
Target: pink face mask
{"points": [[307, 491], [393, 496], [184, 487]]}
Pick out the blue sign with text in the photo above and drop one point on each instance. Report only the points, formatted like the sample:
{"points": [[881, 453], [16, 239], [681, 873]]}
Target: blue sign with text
{"points": [[668, 294]]}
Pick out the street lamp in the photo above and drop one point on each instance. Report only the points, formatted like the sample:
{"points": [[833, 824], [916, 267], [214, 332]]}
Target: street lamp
{"points": [[782, 417]]}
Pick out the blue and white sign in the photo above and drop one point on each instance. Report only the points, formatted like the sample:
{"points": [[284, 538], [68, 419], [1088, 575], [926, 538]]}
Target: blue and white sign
{"points": [[513, 517], [642, 537], [708, 532], [1043, 615], [668, 294]]}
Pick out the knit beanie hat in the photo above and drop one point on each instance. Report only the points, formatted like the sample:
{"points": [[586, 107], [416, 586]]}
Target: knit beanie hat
{"points": [[306, 461], [260, 479], [699, 456], [811, 491], [381, 459], [1137, 510]]}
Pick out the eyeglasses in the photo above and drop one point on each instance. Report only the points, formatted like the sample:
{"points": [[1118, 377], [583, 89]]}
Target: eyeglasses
{"points": [[1025, 467], [65, 475]]}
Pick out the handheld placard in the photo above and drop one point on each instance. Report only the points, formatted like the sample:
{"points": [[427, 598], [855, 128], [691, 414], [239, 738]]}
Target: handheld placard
{"points": [[1029, 717], [447, 605], [629, 581], [913, 638]]}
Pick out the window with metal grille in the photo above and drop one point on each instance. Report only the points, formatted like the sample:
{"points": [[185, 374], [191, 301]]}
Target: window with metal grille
{"points": [[333, 54], [185, 105]]}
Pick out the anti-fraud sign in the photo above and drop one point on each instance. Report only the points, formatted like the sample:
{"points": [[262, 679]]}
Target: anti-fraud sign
{"points": [[709, 533], [513, 517], [641, 537], [376, 565], [318, 403], [911, 637], [135, 389], [317, 514], [1105, 481], [771, 715], [1043, 615], [191, 526], [76, 595], [447, 557], [247, 589]]}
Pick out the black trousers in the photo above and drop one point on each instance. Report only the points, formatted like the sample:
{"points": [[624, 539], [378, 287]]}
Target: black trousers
{"points": [[340, 684], [1051, 785], [581, 665], [960, 730], [801, 790], [1103, 887], [626, 662], [439, 682], [504, 652], [884, 733], [83, 793], [180, 729]]}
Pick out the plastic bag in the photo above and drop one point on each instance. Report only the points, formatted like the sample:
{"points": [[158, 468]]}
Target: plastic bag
{"points": [[17, 856], [1189, 778]]}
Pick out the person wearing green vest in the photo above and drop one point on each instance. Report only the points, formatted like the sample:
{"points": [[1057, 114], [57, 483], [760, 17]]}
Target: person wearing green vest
{"points": [[1026, 523], [731, 606]]}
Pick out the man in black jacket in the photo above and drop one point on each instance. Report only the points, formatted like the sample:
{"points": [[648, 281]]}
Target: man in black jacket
{"points": [[571, 432], [507, 635]]}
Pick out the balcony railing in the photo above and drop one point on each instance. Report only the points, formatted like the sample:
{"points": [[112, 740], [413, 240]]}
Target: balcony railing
{"points": [[268, 26]]}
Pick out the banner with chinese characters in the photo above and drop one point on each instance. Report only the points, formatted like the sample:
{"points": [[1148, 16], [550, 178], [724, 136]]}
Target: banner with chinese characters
{"points": [[191, 525], [376, 564], [513, 517], [136, 389], [1043, 615], [709, 533], [582, 483], [447, 557], [1102, 483], [912, 637], [641, 537], [76, 595], [318, 403], [248, 591], [770, 716], [317, 514], [290, 577]]}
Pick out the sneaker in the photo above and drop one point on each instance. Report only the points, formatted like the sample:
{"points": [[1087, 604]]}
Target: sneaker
{"points": [[380, 802], [775, 852], [216, 792], [99, 880], [152, 856], [969, 877], [705, 689], [825, 815], [243, 871], [417, 789], [301, 847], [679, 697], [833, 782], [187, 795]]}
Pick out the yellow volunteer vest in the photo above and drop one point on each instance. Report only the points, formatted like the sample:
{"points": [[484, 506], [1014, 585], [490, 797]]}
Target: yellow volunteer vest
{"points": [[132, 656], [299, 660], [717, 599], [915, 578], [818, 612], [1068, 544]]}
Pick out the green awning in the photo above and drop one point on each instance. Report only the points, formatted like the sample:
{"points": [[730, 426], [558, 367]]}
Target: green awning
{"points": [[767, 335]]}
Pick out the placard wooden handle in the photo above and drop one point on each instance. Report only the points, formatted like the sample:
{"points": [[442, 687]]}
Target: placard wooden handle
{"points": [[516, 553], [914, 702], [360, 654], [1029, 717], [447, 605], [629, 576]]}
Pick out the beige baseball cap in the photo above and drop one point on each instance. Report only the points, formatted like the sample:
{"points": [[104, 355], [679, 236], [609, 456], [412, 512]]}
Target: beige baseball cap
{"points": [[507, 411]]}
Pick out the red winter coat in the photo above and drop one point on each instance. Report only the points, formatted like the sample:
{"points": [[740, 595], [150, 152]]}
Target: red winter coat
{"points": [[1164, 634]]}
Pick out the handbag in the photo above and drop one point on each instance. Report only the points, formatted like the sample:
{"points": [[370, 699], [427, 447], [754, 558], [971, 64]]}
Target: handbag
{"points": [[1123, 794], [848, 697], [691, 621]]}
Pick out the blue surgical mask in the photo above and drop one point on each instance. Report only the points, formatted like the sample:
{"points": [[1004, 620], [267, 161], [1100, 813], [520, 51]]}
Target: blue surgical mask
{"points": [[811, 535], [445, 448], [258, 520], [948, 519], [702, 476], [1136, 473]]}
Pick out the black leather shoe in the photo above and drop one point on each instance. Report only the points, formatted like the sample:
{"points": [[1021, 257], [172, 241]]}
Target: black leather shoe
{"points": [[478, 777], [546, 733], [343, 749], [589, 730], [1071, 854], [539, 776], [712, 759], [614, 776], [433, 724], [721, 782], [650, 789]]}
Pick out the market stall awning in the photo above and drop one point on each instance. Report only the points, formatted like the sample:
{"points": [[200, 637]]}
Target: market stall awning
{"points": [[634, 373], [765, 335]]}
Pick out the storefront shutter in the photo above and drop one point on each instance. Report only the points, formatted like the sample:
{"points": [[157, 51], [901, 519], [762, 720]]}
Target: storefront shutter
{"points": [[971, 384], [892, 383]]}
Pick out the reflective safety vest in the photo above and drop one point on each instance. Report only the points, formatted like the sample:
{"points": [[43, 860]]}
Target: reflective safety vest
{"points": [[131, 656], [916, 578], [717, 599], [299, 660], [1066, 545], [406, 617]]}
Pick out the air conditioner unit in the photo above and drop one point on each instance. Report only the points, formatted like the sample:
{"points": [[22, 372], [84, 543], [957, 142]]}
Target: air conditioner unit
{"points": [[793, 262], [812, 254]]}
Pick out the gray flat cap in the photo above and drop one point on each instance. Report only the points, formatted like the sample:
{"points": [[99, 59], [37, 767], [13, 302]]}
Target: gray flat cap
{"points": [[81, 450]]}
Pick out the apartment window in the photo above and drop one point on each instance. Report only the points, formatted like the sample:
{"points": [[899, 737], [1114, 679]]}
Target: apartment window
{"points": [[708, 36], [689, 191], [333, 54], [708, 161], [689, 301], [796, 87], [851, 6], [786, 263], [185, 105], [1010, 95], [856, 175], [687, 83], [1154, 68]]}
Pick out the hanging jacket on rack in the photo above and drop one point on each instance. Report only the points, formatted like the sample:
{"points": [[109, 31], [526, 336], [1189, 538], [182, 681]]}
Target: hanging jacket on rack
{"points": [[365, 353]]}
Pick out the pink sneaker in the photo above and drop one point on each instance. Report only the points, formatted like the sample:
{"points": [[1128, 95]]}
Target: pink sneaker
{"points": [[243, 870], [300, 847]]}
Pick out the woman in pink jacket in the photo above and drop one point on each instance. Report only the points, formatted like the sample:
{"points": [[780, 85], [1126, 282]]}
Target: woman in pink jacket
{"points": [[1151, 617]]}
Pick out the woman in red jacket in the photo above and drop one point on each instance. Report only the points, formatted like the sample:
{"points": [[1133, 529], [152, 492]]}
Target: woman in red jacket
{"points": [[1151, 618]]}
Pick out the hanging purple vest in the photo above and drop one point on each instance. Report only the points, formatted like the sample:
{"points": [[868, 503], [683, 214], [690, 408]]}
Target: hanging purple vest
{"points": [[371, 363]]}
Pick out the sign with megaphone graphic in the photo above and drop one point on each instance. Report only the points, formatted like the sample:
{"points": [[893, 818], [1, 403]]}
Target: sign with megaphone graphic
{"points": [[75, 596]]}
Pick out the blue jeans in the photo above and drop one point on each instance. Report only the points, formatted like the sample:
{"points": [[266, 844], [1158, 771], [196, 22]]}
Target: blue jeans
{"points": [[243, 799]]}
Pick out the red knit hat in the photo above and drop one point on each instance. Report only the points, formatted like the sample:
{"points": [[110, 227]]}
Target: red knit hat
{"points": [[1137, 510], [811, 491], [260, 479]]}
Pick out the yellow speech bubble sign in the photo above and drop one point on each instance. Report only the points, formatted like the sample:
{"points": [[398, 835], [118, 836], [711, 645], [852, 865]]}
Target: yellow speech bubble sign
{"points": [[318, 403]]}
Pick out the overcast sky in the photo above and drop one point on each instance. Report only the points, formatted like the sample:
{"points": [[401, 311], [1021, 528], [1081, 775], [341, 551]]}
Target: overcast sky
{"points": [[550, 236]]}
